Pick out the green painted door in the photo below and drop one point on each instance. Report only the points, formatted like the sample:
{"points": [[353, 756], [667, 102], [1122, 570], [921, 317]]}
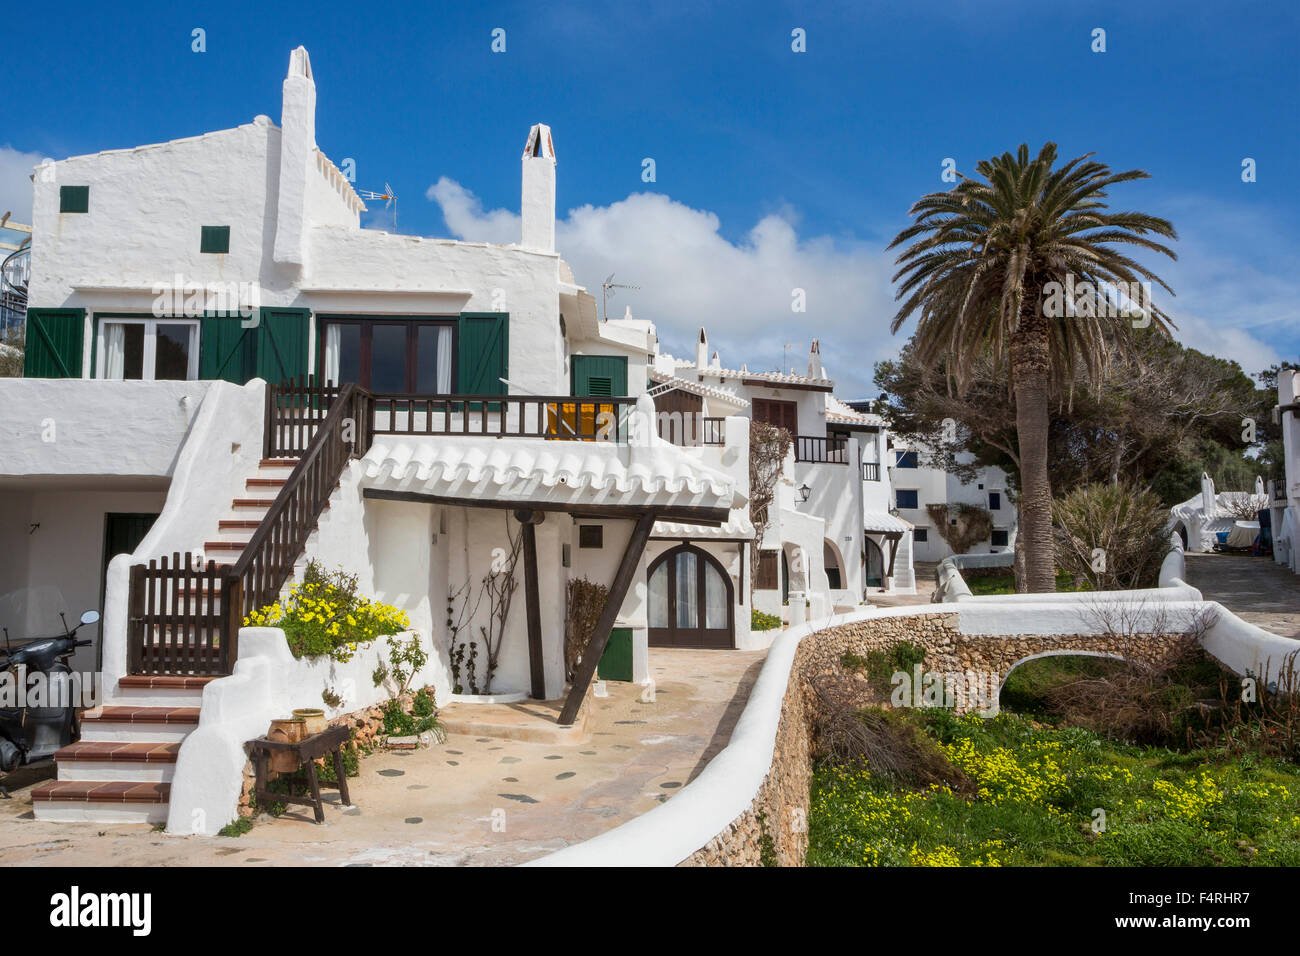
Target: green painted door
{"points": [[54, 343], [599, 375], [483, 353], [282, 344], [616, 662]]}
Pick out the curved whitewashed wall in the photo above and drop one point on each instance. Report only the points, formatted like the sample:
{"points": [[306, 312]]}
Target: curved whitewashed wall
{"points": [[268, 683]]}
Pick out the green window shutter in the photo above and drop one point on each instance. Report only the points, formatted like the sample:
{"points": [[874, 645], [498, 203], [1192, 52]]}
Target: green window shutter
{"points": [[214, 239], [282, 336], [484, 353], [54, 342], [227, 350], [74, 199], [598, 375]]}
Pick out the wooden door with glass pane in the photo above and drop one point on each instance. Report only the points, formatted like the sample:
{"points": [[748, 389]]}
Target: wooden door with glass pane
{"points": [[690, 600]]}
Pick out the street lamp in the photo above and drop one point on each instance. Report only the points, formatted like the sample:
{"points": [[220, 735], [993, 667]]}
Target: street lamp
{"points": [[804, 492]]}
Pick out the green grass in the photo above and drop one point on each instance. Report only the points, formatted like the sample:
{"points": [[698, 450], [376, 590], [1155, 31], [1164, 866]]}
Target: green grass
{"points": [[236, 829], [1040, 788], [1006, 583]]}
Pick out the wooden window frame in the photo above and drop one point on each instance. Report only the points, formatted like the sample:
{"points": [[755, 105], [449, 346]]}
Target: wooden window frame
{"points": [[761, 408], [412, 323]]}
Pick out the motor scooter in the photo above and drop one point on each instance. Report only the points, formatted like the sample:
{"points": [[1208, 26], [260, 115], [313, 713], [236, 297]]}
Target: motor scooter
{"points": [[34, 731]]}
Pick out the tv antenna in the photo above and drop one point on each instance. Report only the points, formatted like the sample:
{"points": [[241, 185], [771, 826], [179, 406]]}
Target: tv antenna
{"points": [[605, 286], [389, 197]]}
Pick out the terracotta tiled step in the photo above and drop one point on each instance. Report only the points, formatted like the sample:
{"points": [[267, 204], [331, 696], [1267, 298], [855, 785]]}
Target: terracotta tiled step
{"points": [[112, 751], [91, 791], [278, 462], [167, 681], [254, 502], [224, 545], [238, 524], [142, 715], [265, 482]]}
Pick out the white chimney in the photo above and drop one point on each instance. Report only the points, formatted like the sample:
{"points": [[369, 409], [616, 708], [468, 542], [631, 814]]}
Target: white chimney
{"points": [[815, 369], [537, 208], [702, 351], [297, 153]]}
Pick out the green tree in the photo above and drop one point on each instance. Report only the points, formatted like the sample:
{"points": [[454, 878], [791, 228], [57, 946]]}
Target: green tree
{"points": [[983, 264]]}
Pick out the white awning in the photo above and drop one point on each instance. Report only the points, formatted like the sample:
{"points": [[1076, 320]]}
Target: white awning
{"points": [[541, 471], [882, 522], [736, 528]]}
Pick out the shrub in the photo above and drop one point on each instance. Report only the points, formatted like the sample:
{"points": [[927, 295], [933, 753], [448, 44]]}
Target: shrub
{"points": [[1112, 536], [758, 621], [973, 525], [585, 600], [325, 615]]}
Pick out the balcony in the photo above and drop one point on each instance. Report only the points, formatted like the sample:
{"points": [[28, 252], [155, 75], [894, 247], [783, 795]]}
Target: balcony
{"points": [[834, 451], [691, 429]]}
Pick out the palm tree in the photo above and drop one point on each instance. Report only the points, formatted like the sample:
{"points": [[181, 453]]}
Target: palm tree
{"points": [[986, 271]]}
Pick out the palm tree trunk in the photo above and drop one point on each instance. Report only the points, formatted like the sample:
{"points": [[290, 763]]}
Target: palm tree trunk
{"points": [[1030, 369]]}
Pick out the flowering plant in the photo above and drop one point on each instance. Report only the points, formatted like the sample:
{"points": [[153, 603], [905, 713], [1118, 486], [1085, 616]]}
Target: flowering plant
{"points": [[325, 615]]}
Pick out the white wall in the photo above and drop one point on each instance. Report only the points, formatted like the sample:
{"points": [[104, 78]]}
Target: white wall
{"points": [[76, 427]]}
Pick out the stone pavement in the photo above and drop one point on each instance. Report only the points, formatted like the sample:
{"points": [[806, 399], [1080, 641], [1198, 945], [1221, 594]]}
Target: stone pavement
{"points": [[472, 800], [1258, 590]]}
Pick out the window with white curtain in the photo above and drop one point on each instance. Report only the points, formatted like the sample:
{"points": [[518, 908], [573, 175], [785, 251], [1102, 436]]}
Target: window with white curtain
{"points": [[148, 349], [390, 356]]}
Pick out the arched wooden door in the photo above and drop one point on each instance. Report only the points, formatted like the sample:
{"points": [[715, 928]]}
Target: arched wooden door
{"points": [[690, 600]]}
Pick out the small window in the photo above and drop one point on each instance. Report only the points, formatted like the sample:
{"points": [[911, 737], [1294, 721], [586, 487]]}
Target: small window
{"points": [[74, 199], [905, 459], [995, 501], [905, 498], [921, 534], [999, 537], [564, 555], [214, 239], [591, 536]]}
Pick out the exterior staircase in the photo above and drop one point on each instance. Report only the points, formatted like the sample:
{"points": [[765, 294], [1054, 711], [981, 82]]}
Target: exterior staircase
{"points": [[120, 771], [904, 572]]}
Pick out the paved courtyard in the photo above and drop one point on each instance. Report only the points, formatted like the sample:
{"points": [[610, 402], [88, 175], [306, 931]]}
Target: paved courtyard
{"points": [[1258, 590], [472, 800]]}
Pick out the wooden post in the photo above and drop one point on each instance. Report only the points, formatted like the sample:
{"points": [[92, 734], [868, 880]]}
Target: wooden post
{"points": [[135, 621], [232, 599], [894, 538], [532, 600], [605, 623]]}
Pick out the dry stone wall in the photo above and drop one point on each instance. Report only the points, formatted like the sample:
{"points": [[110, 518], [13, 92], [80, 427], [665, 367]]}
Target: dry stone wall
{"points": [[774, 828]]}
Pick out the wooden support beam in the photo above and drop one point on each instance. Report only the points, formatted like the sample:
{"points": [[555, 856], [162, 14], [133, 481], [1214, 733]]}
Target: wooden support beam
{"points": [[688, 514], [894, 538], [605, 623], [532, 601]]}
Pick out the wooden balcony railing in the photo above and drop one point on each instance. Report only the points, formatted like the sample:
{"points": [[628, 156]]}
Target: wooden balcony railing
{"points": [[828, 450], [559, 417], [690, 429]]}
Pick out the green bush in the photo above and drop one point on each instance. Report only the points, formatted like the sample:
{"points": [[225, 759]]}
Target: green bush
{"points": [[758, 621], [1112, 536]]}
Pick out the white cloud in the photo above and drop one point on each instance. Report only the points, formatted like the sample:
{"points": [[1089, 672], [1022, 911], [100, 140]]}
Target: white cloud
{"points": [[741, 292], [16, 182]]}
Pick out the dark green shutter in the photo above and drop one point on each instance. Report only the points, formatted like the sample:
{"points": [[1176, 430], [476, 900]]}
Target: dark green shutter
{"points": [[54, 343], [227, 350], [214, 239], [599, 375], [74, 199], [282, 344], [275, 349], [484, 353]]}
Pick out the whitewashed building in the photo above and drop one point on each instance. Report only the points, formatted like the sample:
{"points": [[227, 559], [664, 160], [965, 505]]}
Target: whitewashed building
{"points": [[166, 461], [1284, 495]]}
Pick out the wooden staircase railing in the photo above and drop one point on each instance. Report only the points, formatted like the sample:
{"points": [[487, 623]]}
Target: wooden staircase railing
{"points": [[185, 619]]}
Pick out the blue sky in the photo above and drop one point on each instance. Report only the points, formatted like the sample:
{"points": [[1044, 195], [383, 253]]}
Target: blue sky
{"points": [[774, 169]]}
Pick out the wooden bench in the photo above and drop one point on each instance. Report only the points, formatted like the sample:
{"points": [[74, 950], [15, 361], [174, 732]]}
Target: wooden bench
{"points": [[306, 751]]}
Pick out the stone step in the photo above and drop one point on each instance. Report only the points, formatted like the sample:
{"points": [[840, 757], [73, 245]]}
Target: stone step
{"points": [[90, 801], [160, 690], [128, 724], [114, 761]]}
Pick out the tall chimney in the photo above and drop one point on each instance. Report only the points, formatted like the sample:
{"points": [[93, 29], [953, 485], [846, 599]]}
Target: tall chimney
{"points": [[297, 153], [537, 208], [702, 351]]}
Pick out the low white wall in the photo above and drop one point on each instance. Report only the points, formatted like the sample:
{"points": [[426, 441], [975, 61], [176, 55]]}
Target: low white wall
{"points": [[267, 683], [726, 788]]}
